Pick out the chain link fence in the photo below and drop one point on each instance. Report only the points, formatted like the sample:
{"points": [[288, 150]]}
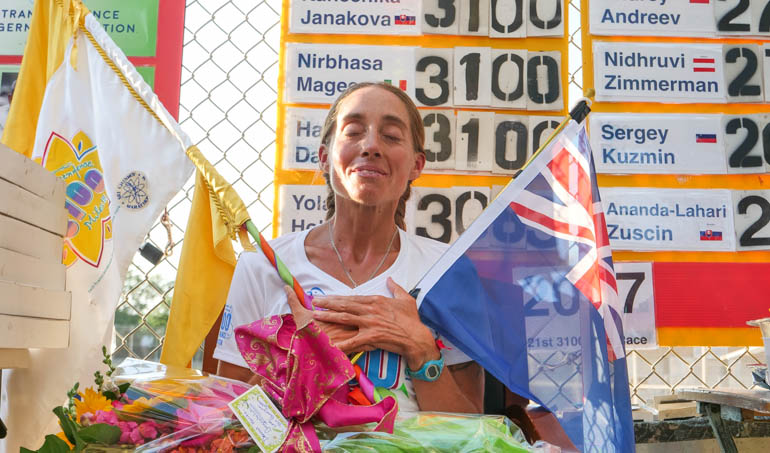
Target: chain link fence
{"points": [[228, 107], [228, 98]]}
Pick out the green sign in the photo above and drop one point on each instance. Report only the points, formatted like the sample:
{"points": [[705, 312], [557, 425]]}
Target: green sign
{"points": [[148, 74], [133, 25]]}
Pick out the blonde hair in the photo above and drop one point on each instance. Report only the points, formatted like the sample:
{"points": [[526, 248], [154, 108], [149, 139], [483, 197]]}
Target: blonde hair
{"points": [[416, 129]]}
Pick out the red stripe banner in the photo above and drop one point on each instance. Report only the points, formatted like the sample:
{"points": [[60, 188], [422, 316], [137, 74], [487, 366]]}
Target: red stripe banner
{"points": [[708, 304]]}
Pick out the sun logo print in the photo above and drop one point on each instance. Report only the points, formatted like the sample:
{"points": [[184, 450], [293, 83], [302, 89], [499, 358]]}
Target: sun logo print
{"points": [[133, 191], [89, 224]]}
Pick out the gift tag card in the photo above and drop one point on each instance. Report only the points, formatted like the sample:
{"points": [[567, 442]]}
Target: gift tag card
{"points": [[262, 420]]}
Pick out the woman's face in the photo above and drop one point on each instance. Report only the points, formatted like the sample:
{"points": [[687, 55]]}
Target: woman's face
{"points": [[371, 156]]}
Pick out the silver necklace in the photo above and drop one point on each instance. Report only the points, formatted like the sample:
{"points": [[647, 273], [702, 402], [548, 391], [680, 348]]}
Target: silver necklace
{"points": [[339, 257]]}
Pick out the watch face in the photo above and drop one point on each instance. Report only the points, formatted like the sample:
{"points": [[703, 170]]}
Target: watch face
{"points": [[432, 371]]}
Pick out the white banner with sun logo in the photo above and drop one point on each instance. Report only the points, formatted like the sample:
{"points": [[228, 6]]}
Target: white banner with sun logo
{"points": [[120, 164], [122, 157]]}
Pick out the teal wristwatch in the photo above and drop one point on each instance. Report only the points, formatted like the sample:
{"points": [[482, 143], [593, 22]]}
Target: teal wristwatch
{"points": [[430, 371]]}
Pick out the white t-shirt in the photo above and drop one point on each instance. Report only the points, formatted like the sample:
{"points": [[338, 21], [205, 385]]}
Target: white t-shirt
{"points": [[256, 292]]}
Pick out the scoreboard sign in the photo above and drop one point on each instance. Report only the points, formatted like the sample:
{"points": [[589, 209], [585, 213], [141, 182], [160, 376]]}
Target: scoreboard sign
{"points": [[488, 76], [459, 77]]}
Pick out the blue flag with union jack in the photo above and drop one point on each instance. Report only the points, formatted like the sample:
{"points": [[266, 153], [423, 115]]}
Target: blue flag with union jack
{"points": [[528, 291]]}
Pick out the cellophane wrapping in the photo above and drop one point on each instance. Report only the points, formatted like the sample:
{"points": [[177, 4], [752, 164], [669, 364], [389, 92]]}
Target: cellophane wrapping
{"points": [[180, 410]]}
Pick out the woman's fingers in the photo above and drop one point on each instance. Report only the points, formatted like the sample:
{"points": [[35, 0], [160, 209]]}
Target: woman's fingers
{"points": [[336, 317], [392, 324], [350, 304], [356, 343], [397, 291], [337, 332]]}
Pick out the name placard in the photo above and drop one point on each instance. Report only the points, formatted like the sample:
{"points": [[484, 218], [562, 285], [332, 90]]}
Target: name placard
{"points": [[654, 18], [301, 207], [625, 71], [658, 144], [669, 219], [355, 17], [317, 74], [302, 136], [696, 18]]}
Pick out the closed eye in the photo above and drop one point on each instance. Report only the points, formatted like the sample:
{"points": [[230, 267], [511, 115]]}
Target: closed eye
{"points": [[353, 129]]}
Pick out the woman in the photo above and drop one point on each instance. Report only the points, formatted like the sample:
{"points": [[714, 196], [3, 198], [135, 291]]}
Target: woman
{"points": [[358, 263]]}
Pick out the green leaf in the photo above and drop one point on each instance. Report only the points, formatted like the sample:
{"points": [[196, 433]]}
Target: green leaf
{"points": [[112, 396], [254, 449], [123, 387], [52, 445], [70, 429], [100, 433], [66, 423]]}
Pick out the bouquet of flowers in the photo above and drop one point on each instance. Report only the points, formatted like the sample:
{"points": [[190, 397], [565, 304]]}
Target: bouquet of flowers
{"points": [[146, 406], [149, 407]]}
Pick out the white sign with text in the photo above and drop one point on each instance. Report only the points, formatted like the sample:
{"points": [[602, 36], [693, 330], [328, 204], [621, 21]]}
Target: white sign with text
{"points": [[669, 219], [630, 71], [366, 18], [635, 291], [302, 137], [657, 143], [301, 206], [318, 73]]}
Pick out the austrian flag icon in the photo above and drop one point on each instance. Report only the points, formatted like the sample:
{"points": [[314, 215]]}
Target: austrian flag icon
{"points": [[700, 64]]}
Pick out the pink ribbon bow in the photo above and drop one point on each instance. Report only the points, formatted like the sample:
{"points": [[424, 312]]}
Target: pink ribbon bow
{"points": [[308, 376]]}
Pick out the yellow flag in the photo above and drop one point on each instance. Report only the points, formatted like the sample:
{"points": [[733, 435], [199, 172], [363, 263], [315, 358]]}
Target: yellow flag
{"points": [[54, 23], [203, 279], [95, 123]]}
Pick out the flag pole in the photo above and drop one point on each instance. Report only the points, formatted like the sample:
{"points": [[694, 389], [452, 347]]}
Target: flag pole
{"points": [[578, 113], [283, 271], [233, 213]]}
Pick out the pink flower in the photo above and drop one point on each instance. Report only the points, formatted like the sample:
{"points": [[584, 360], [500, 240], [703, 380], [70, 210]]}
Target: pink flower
{"points": [[207, 417], [129, 433], [228, 392], [136, 437], [125, 436], [149, 430], [239, 389], [109, 418], [117, 405], [199, 424]]}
